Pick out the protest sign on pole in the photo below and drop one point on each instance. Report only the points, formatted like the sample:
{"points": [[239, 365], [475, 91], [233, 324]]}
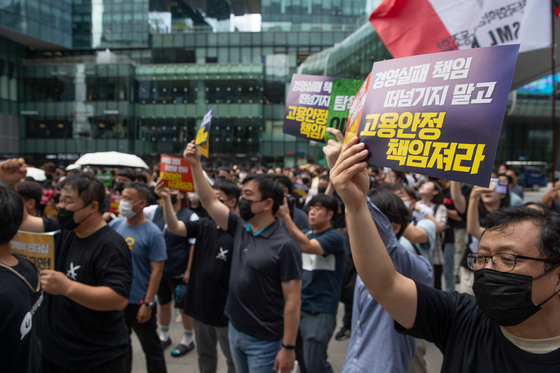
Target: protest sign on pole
{"points": [[307, 106], [38, 248], [342, 94], [114, 204], [176, 173], [203, 134], [439, 114]]}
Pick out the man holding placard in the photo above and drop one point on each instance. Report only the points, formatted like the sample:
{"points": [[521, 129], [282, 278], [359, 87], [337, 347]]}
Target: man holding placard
{"points": [[511, 324], [83, 323], [264, 296]]}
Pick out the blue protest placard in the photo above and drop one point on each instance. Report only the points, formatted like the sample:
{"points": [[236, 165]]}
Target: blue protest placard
{"points": [[439, 114], [307, 106], [203, 134]]}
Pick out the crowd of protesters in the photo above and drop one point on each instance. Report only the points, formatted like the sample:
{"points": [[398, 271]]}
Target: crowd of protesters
{"points": [[257, 261]]}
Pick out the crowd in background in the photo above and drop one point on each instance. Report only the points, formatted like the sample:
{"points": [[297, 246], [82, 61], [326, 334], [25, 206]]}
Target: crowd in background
{"points": [[432, 224]]}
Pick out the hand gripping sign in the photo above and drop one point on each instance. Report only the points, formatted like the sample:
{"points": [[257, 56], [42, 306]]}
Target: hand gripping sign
{"points": [[438, 114], [176, 173]]}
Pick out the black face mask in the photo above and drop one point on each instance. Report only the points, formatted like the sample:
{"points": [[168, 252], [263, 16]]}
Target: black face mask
{"points": [[505, 297], [245, 209], [221, 178], [305, 180], [66, 219], [173, 198]]}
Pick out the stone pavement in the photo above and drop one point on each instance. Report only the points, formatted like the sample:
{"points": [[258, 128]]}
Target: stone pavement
{"points": [[189, 363]]}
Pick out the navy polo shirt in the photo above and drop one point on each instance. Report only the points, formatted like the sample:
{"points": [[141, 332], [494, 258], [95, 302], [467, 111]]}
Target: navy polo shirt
{"points": [[261, 261]]}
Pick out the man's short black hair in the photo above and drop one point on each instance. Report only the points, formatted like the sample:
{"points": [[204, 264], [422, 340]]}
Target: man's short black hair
{"points": [[141, 188], [392, 207], [12, 212], [324, 177], [286, 182], [548, 239], [326, 201], [141, 177], [30, 190], [128, 173], [269, 187], [511, 168], [230, 189], [89, 188]]}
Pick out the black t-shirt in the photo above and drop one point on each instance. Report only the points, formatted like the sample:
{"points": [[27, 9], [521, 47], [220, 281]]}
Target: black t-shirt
{"points": [[470, 341], [20, 346], [75, 337], [200, 211], [50, 224], [210, 269], [178, 248], [261, 262]]}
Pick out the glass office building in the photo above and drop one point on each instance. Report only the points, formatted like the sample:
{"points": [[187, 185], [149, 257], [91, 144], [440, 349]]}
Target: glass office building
{"points": [[137, 76]]}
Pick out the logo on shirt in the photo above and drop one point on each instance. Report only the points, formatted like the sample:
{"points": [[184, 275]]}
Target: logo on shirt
{"points": [[130, 242], [222, 254], [71, 273], [27, 322]]}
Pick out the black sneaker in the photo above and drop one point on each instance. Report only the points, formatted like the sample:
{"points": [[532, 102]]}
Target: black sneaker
{"points": [[166, 343], [182, 349], [343, 333]]}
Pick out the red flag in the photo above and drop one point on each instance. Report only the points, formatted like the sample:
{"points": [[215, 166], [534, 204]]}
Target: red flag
{"points": [[410, 27]]}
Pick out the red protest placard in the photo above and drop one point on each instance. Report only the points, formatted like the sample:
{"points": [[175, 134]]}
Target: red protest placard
{"points": [[176, 173], [115, 201]]}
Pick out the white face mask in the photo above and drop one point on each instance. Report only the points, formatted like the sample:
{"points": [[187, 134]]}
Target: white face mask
{"points": [[125, 209], [407, 204], [242, 176]]}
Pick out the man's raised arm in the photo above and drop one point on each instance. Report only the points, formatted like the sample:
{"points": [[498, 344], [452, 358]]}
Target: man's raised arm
{"points": [[217, 210], [396, 293]]}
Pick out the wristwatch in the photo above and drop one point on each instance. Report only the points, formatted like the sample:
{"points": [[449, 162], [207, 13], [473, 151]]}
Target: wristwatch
{"points": [[288, 347], [151, 305]]}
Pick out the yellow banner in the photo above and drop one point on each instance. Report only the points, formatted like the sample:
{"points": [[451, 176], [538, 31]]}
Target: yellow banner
{"points": [[38, 248]]}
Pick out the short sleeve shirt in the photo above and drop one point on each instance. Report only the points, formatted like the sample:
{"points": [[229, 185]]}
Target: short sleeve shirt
{"points": [[147, 246], [322, 274], [74, 336], [178, 248], [210, 270], [261, 262], [470, 341], [20, 307]]}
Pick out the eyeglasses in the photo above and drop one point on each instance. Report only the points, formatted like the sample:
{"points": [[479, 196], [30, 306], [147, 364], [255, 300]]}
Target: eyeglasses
{"points": [[502, 262]]}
